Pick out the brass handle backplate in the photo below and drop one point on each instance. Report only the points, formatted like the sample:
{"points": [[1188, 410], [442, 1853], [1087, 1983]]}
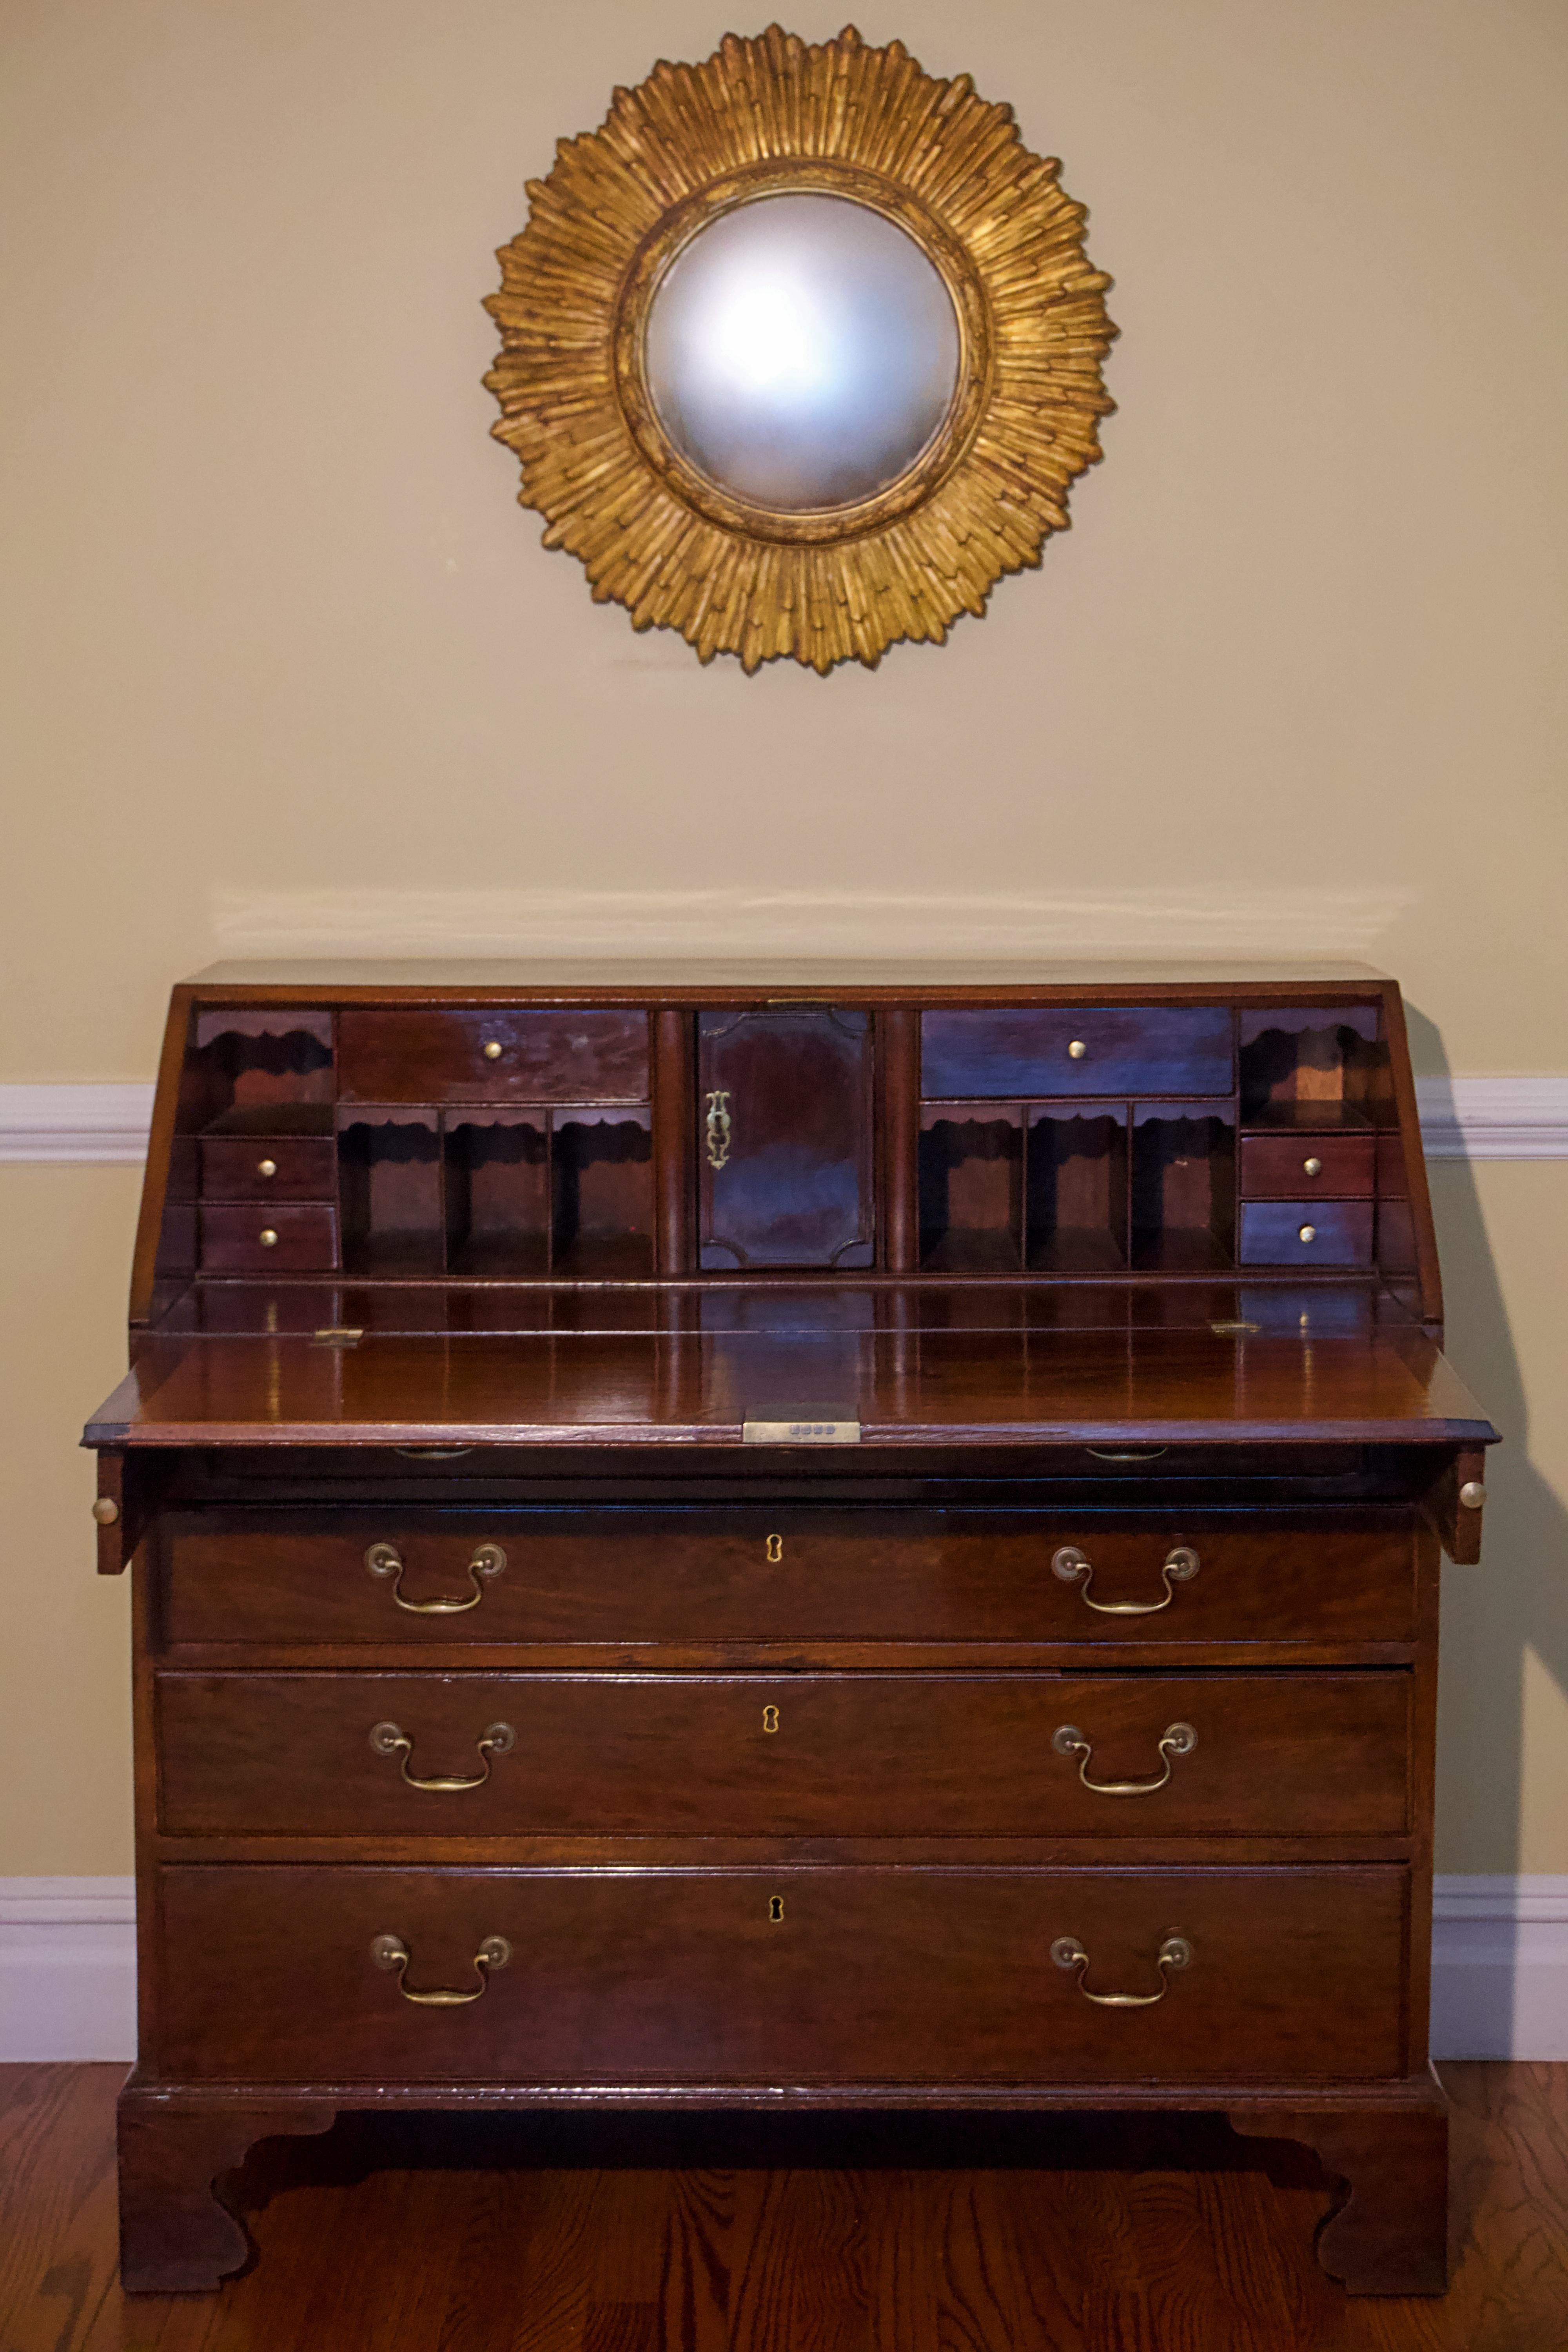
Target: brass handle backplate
{"points": [[1175, 1952], [496, 1739], [1176, 1739], [1180, 1565], [718, 1126], [385, 1559], [390, 1952]]}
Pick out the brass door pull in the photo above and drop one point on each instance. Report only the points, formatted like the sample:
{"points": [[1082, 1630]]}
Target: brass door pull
{"points": [[496, 1739], [1175, 1952], [385, 1559], [718, 1126], [1176, 1739], [390, 1952], [1074, 1566]]}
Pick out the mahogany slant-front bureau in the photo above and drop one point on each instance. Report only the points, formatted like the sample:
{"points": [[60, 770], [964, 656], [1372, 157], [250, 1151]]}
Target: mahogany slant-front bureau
{"points": [[786, 1541]]}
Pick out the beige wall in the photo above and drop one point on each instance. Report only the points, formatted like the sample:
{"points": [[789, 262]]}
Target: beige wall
{"points": [[288, 670]]}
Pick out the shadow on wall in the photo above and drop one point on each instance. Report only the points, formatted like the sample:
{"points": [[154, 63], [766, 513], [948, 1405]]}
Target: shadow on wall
{"points": [[1495, 1618]]}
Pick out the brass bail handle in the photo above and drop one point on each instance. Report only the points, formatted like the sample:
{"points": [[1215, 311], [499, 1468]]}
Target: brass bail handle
{"points": [[385, 1559], [718, 1126], [390, 1952], [496, 1739], [1176, 1739], [1174, 1953], [1180, 1564]]}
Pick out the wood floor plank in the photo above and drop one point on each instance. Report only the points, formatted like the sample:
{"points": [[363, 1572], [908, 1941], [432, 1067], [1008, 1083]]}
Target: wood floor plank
{"points": [[57, 2225], [464, 2235], [712, 2210]]}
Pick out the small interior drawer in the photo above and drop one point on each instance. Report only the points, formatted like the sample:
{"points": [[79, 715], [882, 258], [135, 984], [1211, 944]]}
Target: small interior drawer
{"points": [[268, 1168], [1306, 1232], [261, 1237], [1051, 1050], [549, 1057], [1334, 1167]]}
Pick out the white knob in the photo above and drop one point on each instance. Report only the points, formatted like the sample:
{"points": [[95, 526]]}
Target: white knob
{"points": [[1077, 1050], [1314, 1167], [1307, 1234], [267, 1237]]}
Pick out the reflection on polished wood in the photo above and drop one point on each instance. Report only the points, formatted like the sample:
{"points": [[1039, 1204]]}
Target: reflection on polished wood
{"points": [[923, 1387]]}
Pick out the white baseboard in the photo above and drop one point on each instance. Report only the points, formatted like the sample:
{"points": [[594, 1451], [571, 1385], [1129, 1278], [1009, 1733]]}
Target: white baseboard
{"points": [[1500, 1968], [67, 1968]]}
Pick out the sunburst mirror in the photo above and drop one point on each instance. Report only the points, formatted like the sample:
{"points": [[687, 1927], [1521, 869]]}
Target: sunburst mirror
{"points": [[800, 351]]}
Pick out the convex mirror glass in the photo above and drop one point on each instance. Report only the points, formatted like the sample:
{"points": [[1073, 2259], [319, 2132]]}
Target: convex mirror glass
{"points": [[801, 351]]}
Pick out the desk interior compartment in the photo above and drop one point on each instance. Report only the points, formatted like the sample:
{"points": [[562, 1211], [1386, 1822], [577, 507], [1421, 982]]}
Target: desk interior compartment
{"points": [[1183, 1187], [1075, 1183], [390, 1176], [1314, 1071], [972, 1187], [601, 1193], [496, 1164]]}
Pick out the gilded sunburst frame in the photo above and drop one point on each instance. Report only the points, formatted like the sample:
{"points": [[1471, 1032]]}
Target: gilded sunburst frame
{"points": [[774, 116]]}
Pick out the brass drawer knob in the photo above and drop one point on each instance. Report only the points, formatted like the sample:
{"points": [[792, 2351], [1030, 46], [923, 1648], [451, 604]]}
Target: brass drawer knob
{"points": [[106, 1510], [1175, 1952], [267, 1167], [1307, 1233], [390, 1952], [1077, 1050], [493, 1049], [1176, 1739], [267, 1237], [1181, 1564], [496, 1739], [1312, 1165], [385, 1559], [1472, 1494]]}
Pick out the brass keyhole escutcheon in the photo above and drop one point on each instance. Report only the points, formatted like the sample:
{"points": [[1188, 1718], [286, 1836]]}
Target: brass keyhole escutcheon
{"points": [[769, 1719], [775, 1550], [718, 1125], [776, 1909]]}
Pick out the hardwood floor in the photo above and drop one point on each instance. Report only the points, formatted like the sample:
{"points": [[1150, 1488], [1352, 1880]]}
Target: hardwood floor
{"points": [[434, 2234]]}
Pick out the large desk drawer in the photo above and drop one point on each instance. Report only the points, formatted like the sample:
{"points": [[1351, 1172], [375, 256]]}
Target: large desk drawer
{"points": [[1291, 1755], [712, 1575], [780, 1976]]}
